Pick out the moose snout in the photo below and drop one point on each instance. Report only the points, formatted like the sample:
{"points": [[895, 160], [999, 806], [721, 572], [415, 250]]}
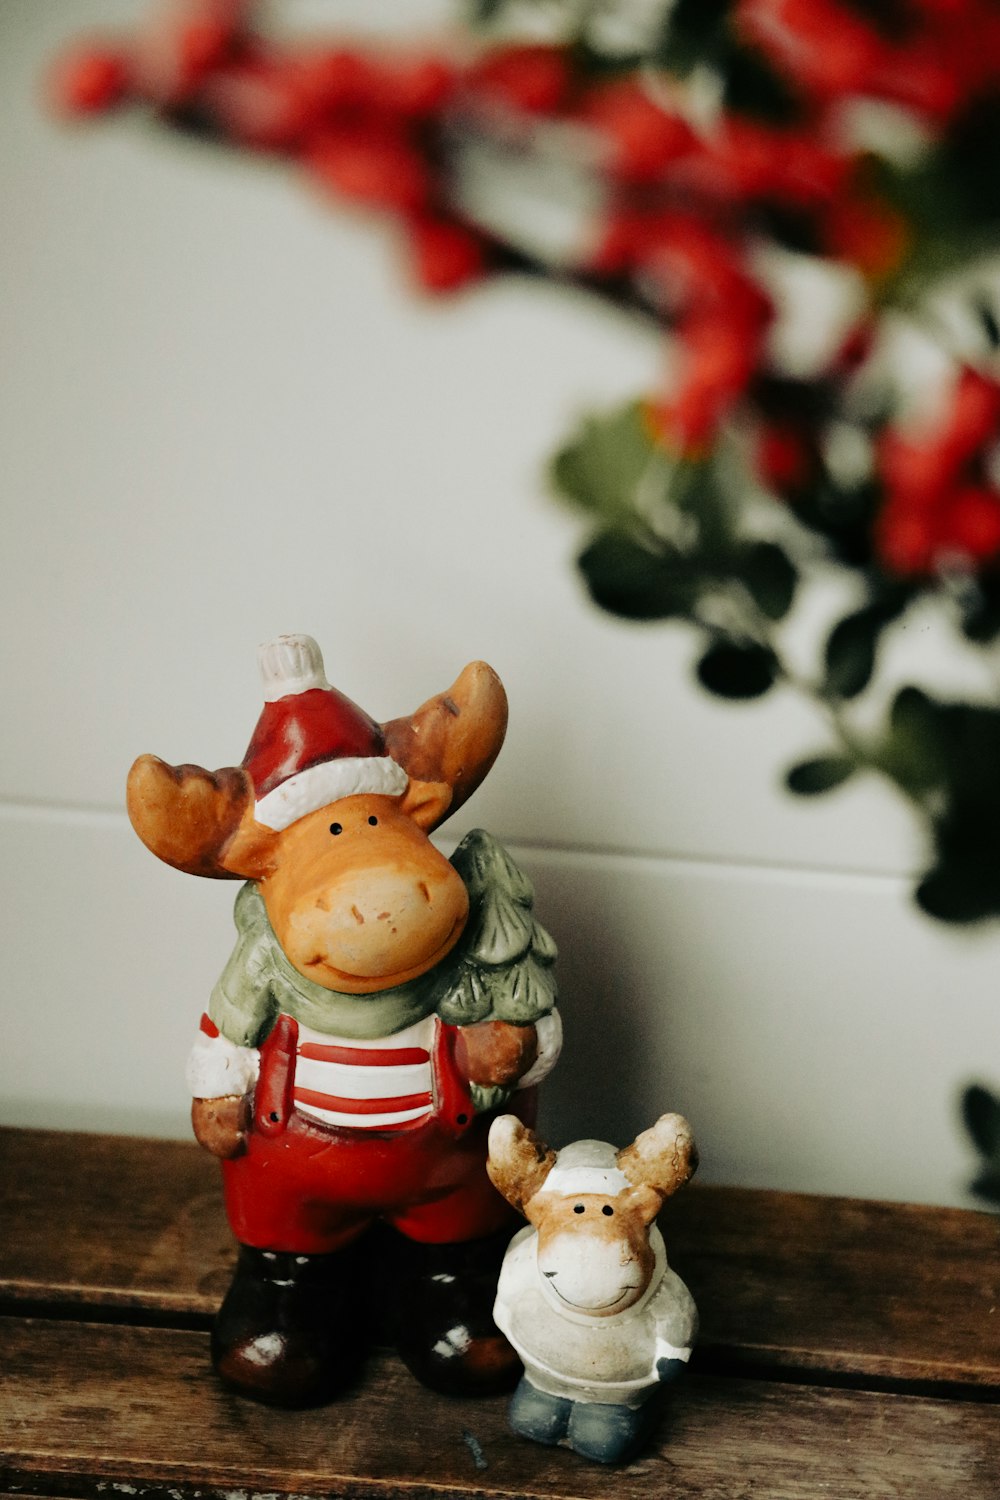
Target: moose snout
{"points": [[593, 1275], [391, 923]]}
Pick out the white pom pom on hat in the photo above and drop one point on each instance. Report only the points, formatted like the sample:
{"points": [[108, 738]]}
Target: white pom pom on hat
{"points": [[312, 745]]}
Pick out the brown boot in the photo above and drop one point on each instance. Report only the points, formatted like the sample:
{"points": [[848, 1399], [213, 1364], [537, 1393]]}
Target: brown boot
{"points": [[442, 1316], [290, 1331]]}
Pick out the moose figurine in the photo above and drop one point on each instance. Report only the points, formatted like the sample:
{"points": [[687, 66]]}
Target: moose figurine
{"points": [[586, 1297], [381, 1004]]}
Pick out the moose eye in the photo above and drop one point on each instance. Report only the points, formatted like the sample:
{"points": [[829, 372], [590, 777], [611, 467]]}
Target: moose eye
{"points": [[373, 820], [578, 1208], [336, 828], [607, 1209]]}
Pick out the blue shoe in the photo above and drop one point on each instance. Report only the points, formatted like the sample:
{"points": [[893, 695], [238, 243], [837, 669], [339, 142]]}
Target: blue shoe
{"points": [[533, 1414], [609, 1434]]}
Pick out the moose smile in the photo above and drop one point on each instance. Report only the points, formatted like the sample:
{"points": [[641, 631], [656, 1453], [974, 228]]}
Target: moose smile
{"points": [[592, 1307], [349, 981]]}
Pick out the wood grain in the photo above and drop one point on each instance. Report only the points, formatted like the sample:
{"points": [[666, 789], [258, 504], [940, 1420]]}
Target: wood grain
{"points": [[879, 1291], [111, 1222], [787, 1284], [137, 1407]]}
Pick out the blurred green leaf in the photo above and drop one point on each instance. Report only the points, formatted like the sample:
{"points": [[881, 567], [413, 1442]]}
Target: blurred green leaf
{"points": [[959, 892], [968, 159], [629, 579], [694, 33], [980, 610], [600, 469], [771, 577], [821, 774], [913, 753], [985, 311], [981, 1113], [738, 669], [483, 11], [970, 747], [696, 491], [987, 1185], [753, 87], [850, 653], [842, 514]]}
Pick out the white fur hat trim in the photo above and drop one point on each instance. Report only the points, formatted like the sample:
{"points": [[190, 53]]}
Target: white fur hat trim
{"points": [[586, 1180], [587, 1167], [327, 782]]}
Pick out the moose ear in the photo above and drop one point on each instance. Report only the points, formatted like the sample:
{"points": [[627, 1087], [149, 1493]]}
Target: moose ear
{"points": [[426, 802], [518, 1161], [663, 1157]]}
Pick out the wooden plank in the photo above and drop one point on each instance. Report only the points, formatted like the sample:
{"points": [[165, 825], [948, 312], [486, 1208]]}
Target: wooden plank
{"points": [[786, 1283], [137, 1408], [880, 1291], [111, 1222]]}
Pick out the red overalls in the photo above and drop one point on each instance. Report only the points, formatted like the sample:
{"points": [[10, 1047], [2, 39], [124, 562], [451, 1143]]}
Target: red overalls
{"points": [[310, 1188]]}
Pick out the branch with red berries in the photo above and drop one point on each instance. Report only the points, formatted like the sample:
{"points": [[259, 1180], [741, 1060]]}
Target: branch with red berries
{"points": [[697, 164]]}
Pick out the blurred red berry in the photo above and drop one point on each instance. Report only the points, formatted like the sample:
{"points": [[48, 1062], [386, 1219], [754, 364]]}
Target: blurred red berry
{"points": [[181, 43], [89, 80], [717, 359], [334, 81], [745, 159], [256, 105], [644, 138], [971, 523], [905, 540], [869, 233], [915, 474], [974, 418], [787, 458], [418, 87], [381, 170], [445, 256], [622, 239], [697, 268], [824, 46], [535, 79], [855, 349], [919, 77]]}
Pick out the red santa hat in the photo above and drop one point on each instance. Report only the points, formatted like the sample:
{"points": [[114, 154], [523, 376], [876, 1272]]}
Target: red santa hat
{"points": [[312, 745]]}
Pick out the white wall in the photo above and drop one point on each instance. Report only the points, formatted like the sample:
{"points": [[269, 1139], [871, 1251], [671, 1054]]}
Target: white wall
{"points": [[223, 416]]}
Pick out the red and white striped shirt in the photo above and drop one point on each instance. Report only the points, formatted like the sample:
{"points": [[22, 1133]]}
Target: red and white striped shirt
{"points": [[372, 1085]]}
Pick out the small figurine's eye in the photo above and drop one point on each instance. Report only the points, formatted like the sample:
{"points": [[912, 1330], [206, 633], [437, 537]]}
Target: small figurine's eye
{"points": [[578, 1208], [607, 1209], [336, 828], [373, 820]]}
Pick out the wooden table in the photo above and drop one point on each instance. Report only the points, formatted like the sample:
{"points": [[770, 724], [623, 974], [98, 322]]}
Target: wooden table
{"points": [[849, 1349]]}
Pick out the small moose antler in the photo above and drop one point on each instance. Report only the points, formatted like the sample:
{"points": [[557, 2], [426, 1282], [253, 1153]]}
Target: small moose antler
{"points": [[456, 736], [518, 1162], [663, 1157]]}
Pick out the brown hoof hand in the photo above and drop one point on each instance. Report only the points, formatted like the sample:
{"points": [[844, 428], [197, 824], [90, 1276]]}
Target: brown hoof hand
{"points": [[496, 1053], [220, 1125]]}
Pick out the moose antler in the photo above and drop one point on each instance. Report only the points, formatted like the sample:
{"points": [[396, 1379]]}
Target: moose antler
{"points": [[192, 818], [518, 1162], [456, 736], [663, 1157]]}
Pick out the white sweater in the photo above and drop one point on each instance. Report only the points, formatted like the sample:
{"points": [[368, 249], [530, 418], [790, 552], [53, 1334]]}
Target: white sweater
{"points": [[586, 1358]]}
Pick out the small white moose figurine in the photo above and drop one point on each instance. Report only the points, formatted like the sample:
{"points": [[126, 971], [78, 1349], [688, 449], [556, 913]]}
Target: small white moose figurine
{"points": [[586, 1296]]}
